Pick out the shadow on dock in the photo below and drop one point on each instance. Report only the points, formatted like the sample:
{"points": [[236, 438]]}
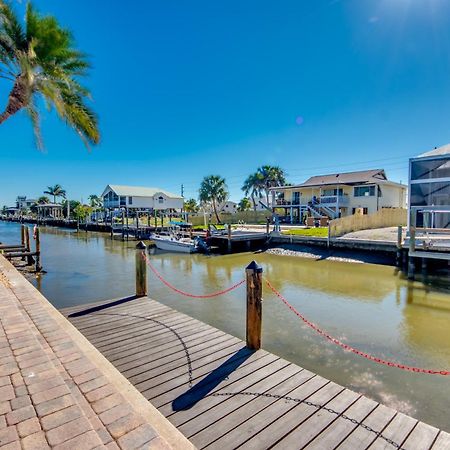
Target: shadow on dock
{"points": [[212, 380], [94, 309]]}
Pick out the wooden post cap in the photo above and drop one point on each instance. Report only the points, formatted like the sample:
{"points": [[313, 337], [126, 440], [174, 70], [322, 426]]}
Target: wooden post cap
{"points": [[255, 267], [140, 246]]}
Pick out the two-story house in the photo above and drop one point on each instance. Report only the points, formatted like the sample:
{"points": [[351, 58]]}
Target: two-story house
{"points": [[140, 198], [337, 195]]}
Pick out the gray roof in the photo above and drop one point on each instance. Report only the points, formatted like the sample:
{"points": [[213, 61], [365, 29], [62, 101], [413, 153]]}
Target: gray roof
{"points": [[138, 191], [363, 176], [444, 150], [49, 205]]}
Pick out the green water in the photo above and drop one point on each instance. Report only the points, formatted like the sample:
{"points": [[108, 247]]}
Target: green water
{"points": [[368, 306]]}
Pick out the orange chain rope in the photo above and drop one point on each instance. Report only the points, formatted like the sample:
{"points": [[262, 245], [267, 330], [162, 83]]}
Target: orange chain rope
{"points": [[187, 294], [352, 349]]}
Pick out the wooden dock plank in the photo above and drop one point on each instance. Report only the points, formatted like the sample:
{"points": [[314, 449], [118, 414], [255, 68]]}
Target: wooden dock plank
{"points": [[333, 435], [398, 429], [222, 395], [203, 430], [422, 437], [291, 415], [318, 421], [377, 421]]}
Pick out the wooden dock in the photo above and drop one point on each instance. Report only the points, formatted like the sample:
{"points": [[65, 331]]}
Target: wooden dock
{"points": [[222, 395]]}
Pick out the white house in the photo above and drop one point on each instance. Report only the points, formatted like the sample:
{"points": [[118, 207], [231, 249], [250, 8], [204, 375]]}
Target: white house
{"points": [[140, 198], [228, 207], [339, 194]]}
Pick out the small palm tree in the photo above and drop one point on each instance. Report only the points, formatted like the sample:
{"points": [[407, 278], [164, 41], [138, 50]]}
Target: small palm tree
{"points": [[39, 58], [253, 186], [244, 204], [42, 200], [56, 191], [95, 201], [270, 176], [191, 206], [213, 190]]}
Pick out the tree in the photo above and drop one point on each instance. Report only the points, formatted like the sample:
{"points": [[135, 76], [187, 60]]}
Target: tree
{"points": [[95, 201], [56, 191], [270, 176], [191, 206], [253, 186], [4, 209], [42, 200], [39, 58], [72, 205], [81, 212], [213, 190], [244, 204]]}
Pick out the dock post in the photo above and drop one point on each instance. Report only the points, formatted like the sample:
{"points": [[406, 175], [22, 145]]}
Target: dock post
{"points": [[254, 305], [229, 238], [399, 246], [141, 270], [38, 267], [123, 225], [412, 245], [22, 234], [30, 260], [329, 235], [267, 227]]}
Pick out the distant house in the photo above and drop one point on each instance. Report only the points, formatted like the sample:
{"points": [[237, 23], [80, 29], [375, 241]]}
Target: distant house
{"points": [[23, 203], [140, 198], [338, 194], [228, 207], [429, 186]]}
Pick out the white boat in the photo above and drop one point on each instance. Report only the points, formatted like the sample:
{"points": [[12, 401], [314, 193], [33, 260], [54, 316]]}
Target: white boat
{"points": [[174, 244]]}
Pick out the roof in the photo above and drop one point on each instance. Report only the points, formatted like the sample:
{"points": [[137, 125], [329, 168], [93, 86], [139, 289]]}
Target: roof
{"points": [[48, 205], [138, 191], [359, 177], [444, 150]]}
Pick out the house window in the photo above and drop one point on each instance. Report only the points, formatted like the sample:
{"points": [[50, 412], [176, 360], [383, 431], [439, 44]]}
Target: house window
{"points": [[130, 200], [160, 199], [332, 192], [123, 201], [296, 198], [364, 191]]}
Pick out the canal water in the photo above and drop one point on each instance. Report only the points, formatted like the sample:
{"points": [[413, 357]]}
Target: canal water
{"points": [[368, 306]]}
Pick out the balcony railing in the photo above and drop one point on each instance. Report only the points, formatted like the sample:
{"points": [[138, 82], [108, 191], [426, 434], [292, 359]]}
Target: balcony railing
{"points": [[325, 200], [334, 199]]}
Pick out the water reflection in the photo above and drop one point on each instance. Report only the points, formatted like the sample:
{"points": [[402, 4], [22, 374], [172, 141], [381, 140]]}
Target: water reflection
{"points": [[368, 306]]}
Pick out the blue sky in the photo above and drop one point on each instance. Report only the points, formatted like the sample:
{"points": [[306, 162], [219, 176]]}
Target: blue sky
{"points": [[187, 89]]}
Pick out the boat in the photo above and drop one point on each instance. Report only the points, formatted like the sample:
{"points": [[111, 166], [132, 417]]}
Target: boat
{"points": [[172, 243]]}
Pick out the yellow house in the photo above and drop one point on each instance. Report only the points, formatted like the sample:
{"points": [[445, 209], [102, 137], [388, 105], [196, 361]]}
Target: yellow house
{"points": [[337, 195]]}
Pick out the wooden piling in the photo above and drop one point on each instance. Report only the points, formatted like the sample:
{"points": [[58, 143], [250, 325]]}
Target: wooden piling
{"points": [[329, 235], [412, 245], [229, 239], [254, 305], [399, 246], [141, 270], [22, 235], [38, 267]]}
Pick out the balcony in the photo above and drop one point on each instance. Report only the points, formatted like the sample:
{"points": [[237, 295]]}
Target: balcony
{"points": [[342, 200]]}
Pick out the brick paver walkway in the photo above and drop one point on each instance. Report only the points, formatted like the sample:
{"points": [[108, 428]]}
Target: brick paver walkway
{"points": [[54, 391]]}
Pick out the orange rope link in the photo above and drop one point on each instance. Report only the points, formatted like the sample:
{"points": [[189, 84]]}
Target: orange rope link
{"points": [[187, 294], [352, 349]]}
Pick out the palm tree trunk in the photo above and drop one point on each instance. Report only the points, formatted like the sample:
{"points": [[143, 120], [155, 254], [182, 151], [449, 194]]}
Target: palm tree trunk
{"points": [[215, 211], [254, 202], [17, 99]]}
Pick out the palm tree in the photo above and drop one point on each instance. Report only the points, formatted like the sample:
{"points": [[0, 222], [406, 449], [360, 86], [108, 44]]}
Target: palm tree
{"points": [[56, 191], [213, 190], [270, 176], [95, 201], [244, 204], [252, 186], [191, 206], [39, 58], [42, 200]]}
